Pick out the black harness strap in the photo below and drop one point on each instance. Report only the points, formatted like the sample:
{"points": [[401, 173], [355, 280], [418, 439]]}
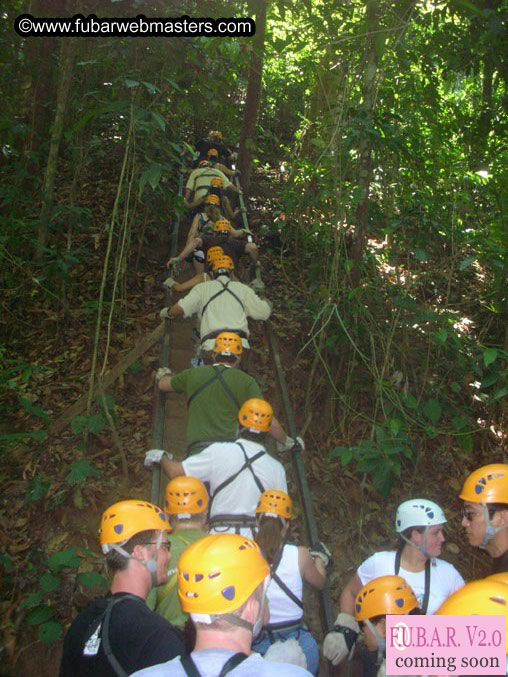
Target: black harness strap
{"points": [[426, 595], [216, 377], [191, 670], [280, 582], [117, 668], [246, 466], [225, 288]]}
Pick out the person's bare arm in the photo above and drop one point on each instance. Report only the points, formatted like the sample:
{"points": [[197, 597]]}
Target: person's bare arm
{"points": [[189, 247], [348, 595], [312, 571], [188, 284], [225, 170], [172, 468], [277, 431], [175, 310], [193, 229], [165, 384]]}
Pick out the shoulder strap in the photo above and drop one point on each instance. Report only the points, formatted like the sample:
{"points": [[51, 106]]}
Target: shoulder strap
{"points": [[117, 668], [280, 582], [191, 670], [426, 594], [425, 603], [189, 666], [216, 377], [226, 387], [247, 465], [231, 663], [225, 288], [398, 554]]}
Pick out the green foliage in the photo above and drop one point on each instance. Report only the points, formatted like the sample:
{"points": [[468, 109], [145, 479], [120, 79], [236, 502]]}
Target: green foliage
{"points": [[80, 471]]}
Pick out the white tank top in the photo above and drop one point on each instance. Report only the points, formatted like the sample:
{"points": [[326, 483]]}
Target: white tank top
{"points": [[282, 607]]}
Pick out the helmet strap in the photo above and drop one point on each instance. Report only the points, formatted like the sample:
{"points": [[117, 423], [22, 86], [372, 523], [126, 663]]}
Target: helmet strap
{"points": [[422, 547], [150, 564], [490, 530], [381, 641]]}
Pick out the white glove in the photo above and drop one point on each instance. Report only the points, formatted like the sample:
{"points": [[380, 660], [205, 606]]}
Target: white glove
{"points": [[340, 642], [290, 443], [155, 456], [288, 651], [320, 550], [234, 156], [169, 283], [162, 372], [164, 314]]}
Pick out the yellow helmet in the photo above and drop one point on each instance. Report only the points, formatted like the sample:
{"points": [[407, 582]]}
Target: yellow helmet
{"points": [[213, 253], [384, 595], [222, 226], [275, 502], [223, 263], [488, 484], [485, 597], [215, 133], [256, 415], [501, 577], [218, 573], [125, 519], [228, 342], [186, 496], [203, 163], [212, 199], [217, 181], [213, 153]]}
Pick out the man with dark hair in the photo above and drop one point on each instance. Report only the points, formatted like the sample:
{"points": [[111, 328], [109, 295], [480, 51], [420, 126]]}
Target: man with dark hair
{"points": [[119, 634], [214, 395], [485, 512]]}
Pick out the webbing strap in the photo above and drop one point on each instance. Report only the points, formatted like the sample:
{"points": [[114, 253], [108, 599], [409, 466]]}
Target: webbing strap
{"points": [[113, 661], [225, 288], [426, 595], [216, 377], [191, 670], [246, 466], [280, 582]]}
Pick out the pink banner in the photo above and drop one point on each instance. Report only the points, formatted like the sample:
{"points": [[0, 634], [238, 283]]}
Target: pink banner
{"points": [[446, 645]]}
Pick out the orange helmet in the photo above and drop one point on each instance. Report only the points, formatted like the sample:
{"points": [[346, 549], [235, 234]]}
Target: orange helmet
{"points": [[203, 163], [213, 253], [384, 595], [218, 573], [485, 598], [223, 263], [227, 342], [186, 496], [256, 415], [125, 519], [215, 133], [501, 577], [488, 484], [222, 226], [213, 153], [275, 503], [212, 200], [217, 181]]}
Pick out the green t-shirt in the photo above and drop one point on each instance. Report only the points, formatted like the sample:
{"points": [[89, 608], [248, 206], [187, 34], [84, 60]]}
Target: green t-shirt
{"points": [[164, 599], [213, 415]]}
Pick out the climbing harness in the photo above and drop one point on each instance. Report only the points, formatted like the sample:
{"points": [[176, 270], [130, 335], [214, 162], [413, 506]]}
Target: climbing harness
{"points": [[218, 376], [192, 671], [225, 288], [425, 602]]}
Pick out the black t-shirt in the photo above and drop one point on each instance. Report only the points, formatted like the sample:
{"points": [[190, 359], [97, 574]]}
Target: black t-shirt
{"points": [[204, 145], [233, 248], [500, 564], [138, 636]]}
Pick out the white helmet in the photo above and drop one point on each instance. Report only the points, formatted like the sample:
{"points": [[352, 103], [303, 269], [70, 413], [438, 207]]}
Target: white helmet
{"points": [[418, 512]]}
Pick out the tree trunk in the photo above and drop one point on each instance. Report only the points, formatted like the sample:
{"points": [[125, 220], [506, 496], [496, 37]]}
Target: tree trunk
{"points": [[364, 172], [250, 113], [67, 49]]}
